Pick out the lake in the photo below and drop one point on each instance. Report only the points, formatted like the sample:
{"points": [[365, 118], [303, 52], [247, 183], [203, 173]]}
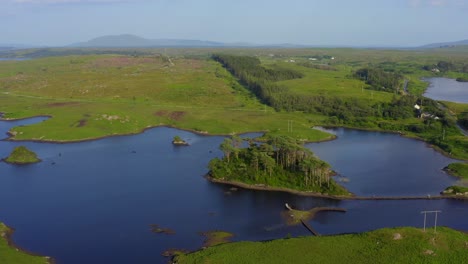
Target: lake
{"points": [[444, 89], [93, 202], [384, 164]]}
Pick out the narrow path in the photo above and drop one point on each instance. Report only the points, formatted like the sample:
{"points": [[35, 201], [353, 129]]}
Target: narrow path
{"points": [[405, 86], [312, 230]]}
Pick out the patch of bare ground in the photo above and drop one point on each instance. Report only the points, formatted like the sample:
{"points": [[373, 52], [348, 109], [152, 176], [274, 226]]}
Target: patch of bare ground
{"points": [[161, 113], [124, 61], [61, 104], [175, 115], [82, 123]]}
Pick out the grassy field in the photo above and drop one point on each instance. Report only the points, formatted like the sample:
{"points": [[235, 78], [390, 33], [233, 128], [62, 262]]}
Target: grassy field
{"points": [[95, 96], [397, 245], [10, 255]]}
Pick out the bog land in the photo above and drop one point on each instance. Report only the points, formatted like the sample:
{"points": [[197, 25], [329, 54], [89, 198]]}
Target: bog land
{"points": [[102, 93], [392, 245]]}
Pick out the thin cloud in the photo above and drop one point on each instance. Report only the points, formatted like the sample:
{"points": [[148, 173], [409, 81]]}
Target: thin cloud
{"points": [[437, 3]]}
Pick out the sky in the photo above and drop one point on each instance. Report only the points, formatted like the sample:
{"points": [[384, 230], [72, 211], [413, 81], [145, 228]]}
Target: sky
{"points": [[385, 23]]}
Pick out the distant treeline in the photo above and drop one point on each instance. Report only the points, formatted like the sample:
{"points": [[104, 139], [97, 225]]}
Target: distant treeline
{"points": [[53, 52], [324, 67], [346, 111], [379, 79], [261, 82], [463, 120], [446, 66]]}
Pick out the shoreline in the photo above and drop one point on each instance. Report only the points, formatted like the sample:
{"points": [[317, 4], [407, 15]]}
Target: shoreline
{"points": [[8, 237], [143, 130], [200, 133], [204, 133], [401, 134], [326, 196]]}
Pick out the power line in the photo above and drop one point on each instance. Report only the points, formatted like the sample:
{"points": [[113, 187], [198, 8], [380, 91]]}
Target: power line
{"points": [[435, 221]]}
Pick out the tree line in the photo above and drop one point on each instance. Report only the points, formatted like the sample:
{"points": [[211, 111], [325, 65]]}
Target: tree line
{"points": [[259, 81], [446, 66], [379, 79]]}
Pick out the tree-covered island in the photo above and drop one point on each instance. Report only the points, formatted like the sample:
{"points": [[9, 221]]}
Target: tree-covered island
{"points": [[278, 162]]}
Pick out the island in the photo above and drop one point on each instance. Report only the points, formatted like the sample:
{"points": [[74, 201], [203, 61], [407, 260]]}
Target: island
{"points": [[13, 255], [22, 155], [178, 141], [278, 163], [462, 79]]}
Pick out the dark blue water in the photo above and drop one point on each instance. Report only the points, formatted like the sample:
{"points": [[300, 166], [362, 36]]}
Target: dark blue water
{"points": [[384, 164], [93, 202], [445, 89]]}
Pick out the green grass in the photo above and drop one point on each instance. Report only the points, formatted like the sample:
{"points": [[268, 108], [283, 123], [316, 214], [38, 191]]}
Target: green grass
{"points": [[22, 155], [415, 246], [458, 169], [338, 83], [213, 238], [195, 93], [81, 92], [456, 190], [11, 255]]}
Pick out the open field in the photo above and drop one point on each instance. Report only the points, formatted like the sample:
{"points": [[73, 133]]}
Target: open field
{"points": [[95, 96], [396, 245], [92, 96]]}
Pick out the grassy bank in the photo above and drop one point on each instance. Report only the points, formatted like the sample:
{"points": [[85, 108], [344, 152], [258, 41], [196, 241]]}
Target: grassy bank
{"points": [[11, 255], [396, 245], [458, 169]]}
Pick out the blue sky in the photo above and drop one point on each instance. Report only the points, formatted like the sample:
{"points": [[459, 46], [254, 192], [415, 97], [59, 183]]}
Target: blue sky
{"points": [[311, 22]]}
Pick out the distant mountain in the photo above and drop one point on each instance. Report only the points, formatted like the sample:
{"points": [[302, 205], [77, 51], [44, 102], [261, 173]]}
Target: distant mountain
{"points": [[445, 44], [132, 41]]}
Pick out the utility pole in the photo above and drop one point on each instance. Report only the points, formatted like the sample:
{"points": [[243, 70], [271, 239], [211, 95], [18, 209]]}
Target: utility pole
{"points": [[435, 221]]}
